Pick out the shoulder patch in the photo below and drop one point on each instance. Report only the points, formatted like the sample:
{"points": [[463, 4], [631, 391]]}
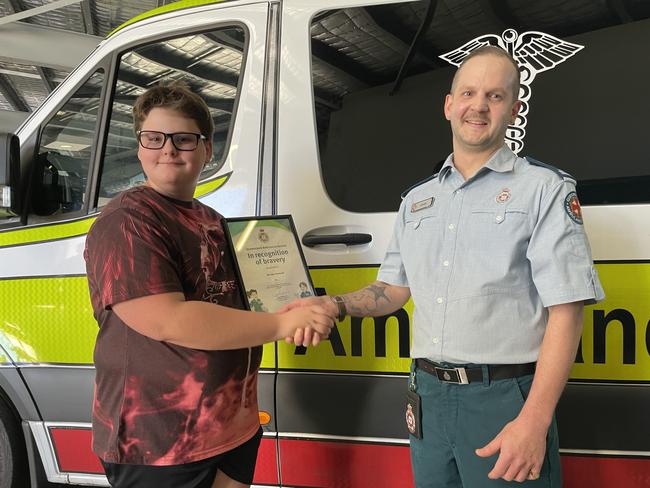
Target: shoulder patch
{"points": [[572, 207], [421, 182], [562, 174]]}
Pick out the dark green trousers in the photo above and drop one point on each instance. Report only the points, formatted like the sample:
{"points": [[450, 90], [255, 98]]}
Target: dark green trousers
{"points": [[457, 419]]}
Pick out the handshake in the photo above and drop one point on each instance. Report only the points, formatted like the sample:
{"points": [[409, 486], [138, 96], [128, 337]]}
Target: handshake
{"points": [[307, 321]]}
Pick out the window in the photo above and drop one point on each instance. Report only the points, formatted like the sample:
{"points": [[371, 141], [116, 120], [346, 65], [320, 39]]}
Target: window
{"points": [[377, 137], [210, 63], [67, 140]]}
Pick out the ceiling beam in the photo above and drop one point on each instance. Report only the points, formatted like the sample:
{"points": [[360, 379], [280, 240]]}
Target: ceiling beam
{"points": [[12, 6], [87, 16], [140, 81], [7, 19], [23, 44], [340, 61], [170, 59], [49, 86], [223, 39], [12, 96], [384, 17]]}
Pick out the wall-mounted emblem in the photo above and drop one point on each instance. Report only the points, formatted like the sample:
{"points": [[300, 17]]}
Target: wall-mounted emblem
{"points": [[535, 52]]}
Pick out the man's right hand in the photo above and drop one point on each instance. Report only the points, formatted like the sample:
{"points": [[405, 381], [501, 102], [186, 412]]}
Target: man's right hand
{"points": [[306, 336], [318, 319]]}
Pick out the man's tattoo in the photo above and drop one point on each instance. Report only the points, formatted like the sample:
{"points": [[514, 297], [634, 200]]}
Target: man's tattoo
{"points": [[365, 302], [378, 292]]}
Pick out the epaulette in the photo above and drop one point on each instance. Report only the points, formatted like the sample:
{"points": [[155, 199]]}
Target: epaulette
{"points": [[562, 174], [421, 182]]}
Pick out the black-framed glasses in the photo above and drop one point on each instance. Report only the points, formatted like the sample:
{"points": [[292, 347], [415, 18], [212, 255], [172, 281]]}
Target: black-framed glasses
{"points": [[183, 141]]}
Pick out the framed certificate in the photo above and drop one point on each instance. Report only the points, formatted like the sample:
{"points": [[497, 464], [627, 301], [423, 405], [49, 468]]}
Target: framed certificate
{"points": [[269, 261]]}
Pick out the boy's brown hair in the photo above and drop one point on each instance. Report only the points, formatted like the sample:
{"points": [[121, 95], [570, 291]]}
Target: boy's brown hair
{"points": [[174, 96]]}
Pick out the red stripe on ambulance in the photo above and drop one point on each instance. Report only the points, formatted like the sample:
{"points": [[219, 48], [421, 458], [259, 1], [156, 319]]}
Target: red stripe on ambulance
{"points": [[73, 451]]}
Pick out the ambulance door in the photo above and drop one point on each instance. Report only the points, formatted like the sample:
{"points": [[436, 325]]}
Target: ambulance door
{"points": [[353, 134], [340, 405], [85, 154]]}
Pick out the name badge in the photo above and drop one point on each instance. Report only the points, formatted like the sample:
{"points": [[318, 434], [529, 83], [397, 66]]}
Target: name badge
{"points": [[422, 204]]}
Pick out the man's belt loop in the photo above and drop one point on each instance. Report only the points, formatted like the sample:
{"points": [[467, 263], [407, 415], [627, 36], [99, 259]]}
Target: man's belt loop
{"points": [[486, 375]]}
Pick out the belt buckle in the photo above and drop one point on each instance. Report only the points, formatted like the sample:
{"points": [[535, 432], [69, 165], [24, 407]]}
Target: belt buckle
{"points": [[452, 375]]}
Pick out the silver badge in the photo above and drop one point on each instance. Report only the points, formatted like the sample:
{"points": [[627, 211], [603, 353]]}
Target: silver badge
{"points": [[422, 204]]}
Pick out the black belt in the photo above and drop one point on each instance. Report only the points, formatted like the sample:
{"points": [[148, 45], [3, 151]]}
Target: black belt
{"points": [[464, 376]]}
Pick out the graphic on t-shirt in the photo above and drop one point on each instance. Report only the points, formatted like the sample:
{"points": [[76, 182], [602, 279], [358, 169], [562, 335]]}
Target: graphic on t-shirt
{"points": [[212, 262]]}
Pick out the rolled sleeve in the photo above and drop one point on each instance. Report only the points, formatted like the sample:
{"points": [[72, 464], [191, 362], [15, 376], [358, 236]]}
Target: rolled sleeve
{"points": [[559, 252], [392, 269]]}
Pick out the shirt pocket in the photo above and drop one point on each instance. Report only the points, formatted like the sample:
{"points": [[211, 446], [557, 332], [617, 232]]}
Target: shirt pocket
{"points": [[500, 230], [416, 221], [498, 216]]}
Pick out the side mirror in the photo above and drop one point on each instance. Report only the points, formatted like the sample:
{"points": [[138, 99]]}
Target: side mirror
{"points": [[10, 197]]}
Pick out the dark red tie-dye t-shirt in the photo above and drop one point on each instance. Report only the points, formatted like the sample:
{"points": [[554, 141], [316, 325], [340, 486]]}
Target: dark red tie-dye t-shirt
{"points": [[157, 403]]}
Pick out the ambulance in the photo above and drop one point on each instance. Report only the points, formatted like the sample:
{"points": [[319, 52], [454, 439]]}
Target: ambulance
{"points": [[327, 110]]}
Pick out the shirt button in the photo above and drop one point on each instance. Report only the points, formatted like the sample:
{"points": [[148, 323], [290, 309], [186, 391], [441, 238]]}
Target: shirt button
{"points": [[445, 263], [439, 300], [451, 226], [436, 340]]}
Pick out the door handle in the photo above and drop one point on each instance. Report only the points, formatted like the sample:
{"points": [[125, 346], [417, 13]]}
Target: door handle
{"points": [[350, 239]]}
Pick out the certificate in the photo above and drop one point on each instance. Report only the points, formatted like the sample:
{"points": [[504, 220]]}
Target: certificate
{"points": [[269, 261]]}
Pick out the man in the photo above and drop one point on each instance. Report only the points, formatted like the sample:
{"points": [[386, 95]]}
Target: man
{"points": [[493, 251]]}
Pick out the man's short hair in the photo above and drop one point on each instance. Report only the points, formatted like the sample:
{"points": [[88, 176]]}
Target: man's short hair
{"points": [[175, 96], [492, 51]]}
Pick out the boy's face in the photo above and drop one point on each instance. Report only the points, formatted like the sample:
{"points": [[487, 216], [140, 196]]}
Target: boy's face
{"points": [[169, 171]]}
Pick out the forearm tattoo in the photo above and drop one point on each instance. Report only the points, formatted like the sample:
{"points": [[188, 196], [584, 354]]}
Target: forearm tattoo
{"points": [[368, 301]]}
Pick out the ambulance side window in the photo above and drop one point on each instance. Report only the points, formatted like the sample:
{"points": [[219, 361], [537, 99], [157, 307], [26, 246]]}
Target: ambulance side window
{"points": [[60, 171], [210, 63], [378, 136], [374, 140]]}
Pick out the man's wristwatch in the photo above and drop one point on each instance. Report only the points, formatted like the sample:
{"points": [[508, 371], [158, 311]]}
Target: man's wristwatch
{"points": [[340, 304]]}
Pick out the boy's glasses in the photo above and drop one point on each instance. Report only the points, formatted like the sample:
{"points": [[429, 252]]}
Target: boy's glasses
{"points": [[183, 141]]}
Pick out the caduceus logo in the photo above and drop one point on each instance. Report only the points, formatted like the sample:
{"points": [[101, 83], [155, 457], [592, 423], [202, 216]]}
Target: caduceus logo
{"points": [[534, 52]]}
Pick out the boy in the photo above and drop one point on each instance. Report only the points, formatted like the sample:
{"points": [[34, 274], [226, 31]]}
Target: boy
{"points": [[176, 356]]}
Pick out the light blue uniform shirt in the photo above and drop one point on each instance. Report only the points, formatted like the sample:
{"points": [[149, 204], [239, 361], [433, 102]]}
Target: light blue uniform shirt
{"points": [[483, 258]]}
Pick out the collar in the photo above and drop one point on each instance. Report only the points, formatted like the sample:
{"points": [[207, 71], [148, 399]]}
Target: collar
{"points": [[502, 161]]}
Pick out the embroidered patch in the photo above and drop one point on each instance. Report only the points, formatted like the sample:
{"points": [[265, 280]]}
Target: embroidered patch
{"points": [[504, 196], [572, 207], [422, 204], [410, 419]]}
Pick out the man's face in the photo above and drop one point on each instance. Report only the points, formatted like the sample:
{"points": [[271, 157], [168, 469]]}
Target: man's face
{"points": [[481, 104]]}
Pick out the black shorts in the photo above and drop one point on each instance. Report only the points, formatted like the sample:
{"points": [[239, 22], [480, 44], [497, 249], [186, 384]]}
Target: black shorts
{"points": [[238, 464]]}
